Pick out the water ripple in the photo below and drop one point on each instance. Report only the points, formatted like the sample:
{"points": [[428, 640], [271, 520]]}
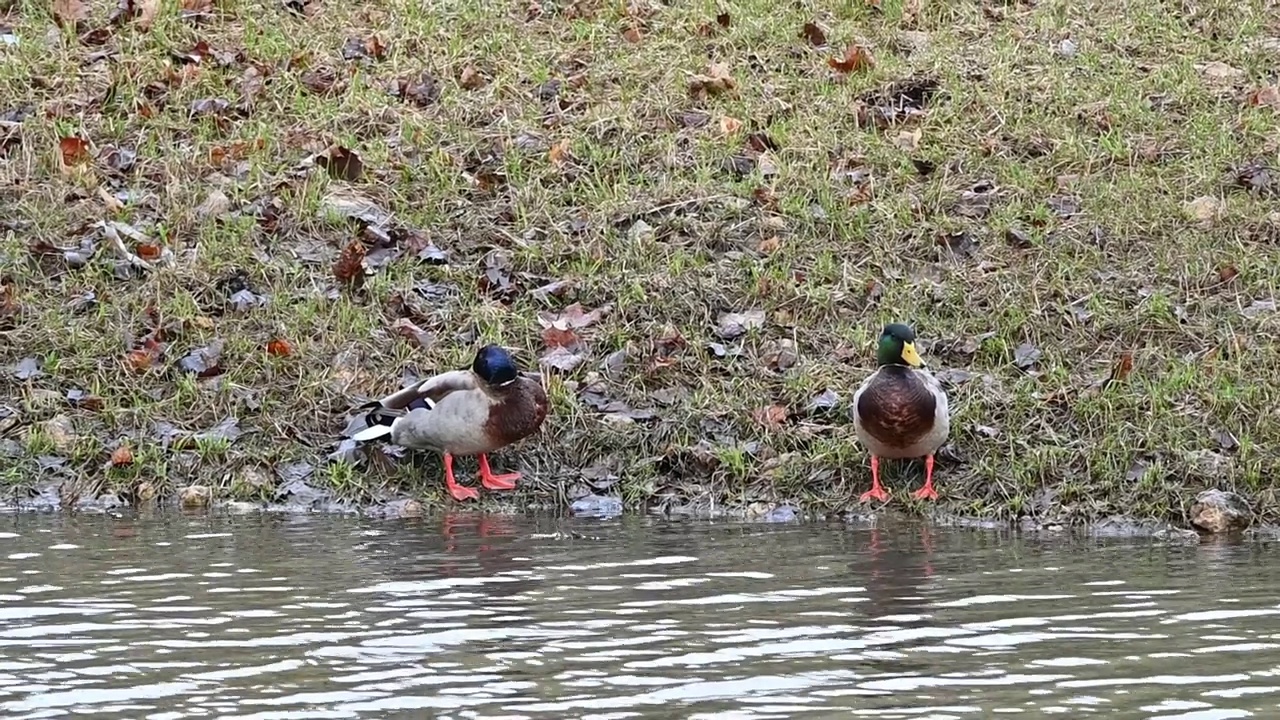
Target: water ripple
{"points": [[496, 617]]}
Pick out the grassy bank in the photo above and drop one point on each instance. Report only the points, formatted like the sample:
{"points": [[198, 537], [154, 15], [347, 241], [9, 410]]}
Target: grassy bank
{"points": [[694, 218]]}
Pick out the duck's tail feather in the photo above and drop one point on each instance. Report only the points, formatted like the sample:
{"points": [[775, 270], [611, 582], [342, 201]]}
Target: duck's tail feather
{"points": [[380, 418]]}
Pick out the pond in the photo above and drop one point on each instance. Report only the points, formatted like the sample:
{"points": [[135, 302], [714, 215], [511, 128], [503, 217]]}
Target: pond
{"points": [[491, 616]]}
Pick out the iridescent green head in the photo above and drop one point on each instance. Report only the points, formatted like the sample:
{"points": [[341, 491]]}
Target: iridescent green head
{"points": [[898, 346]]}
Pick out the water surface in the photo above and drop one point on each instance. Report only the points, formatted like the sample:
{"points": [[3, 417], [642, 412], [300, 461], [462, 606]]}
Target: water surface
{"points": [[473, 616]]}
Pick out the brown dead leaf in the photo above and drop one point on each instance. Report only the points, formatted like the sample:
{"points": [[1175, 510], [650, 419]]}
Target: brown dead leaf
{"points": [[729, 125], [908, 140], [1205, 210], [573, 317], [772, 416], [279, 347], [1266, 96], [407, 329], [717, 80], [814, 33], [321, 80], [470, 78], [148, 251], [192, 8], [349, 267], [723, 20], [341, 163], [1227, 273], [856, 59], [73, 150], [144, 358], [147, 12], [70, 13], [553, 336], [122, 456], [559, 153], [422, 91], [632, 35], [769, 245], [1120, 369]]}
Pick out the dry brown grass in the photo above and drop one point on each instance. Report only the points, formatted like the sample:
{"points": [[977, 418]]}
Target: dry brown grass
{"points": [[1091, 181]]}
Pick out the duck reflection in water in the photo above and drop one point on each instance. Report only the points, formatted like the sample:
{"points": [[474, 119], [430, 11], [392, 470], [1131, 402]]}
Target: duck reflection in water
{"points": [[895, 569]]}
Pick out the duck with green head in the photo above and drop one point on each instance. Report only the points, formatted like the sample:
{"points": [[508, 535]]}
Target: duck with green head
{"points": [[900, 411], [472, 411]]}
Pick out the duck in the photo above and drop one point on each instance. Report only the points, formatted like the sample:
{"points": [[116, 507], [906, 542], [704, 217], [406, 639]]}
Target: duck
{"points": [[900, 410], [471, 411]]}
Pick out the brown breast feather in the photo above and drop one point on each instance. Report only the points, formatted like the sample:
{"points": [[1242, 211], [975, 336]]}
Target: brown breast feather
{"points": [[519, 412], [897, 409]]}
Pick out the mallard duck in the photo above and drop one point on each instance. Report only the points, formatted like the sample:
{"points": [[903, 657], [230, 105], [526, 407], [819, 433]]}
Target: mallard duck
{"points": [[900, 411], [473, 411]]}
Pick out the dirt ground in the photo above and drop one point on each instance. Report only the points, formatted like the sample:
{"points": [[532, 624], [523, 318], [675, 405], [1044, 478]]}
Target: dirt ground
{"points": [[225, 224]]}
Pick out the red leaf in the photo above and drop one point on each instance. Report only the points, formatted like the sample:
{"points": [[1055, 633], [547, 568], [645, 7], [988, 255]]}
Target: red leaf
{"points": [[279, 347]]}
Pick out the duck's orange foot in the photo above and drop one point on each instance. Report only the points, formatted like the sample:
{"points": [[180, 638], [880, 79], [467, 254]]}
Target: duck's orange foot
{"points": [[460, 493], [496, 482], [925, 493], [875, 493]]}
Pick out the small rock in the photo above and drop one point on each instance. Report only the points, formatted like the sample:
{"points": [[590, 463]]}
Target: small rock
{"points": [[600, 506], [1177, 535], [61, 433], [1218, 511], [1067, 48], [641, 231], [781, 514], [144, 492], [195, 496], [241, 507]]}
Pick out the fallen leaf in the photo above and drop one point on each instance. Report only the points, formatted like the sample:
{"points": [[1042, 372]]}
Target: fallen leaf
{"points": [[1018, 239], [559, 153], [279, 347], [1220, 72], [958, 244], [341, 163], [856, 59], [1266, 96], [772, 416], [729, 125], [70, 13], [824, 401], [144, 358], [405, 328], [572, 317], [562, 359], [470, 78], [122, 456], [1225, 440], [205, 361], [422, 91], [1025, 355], [1205, 210], [73, 150], [814, 33], [1122, 367], [769, 245], [632, 35], [148, 251], [732, 325], [80, 399], [349, 267], [216, 204], [1258, 307], [1227, 273], [560, 337], [356, 48], [209, 106], [717, 80], [147, 12], [908, 140], [723, 20], [320, 80], [27, 368], [1064, 206]]}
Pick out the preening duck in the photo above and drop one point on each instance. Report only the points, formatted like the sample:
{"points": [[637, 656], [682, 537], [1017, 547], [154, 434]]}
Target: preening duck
{"points": [[900, 411], [472, 411]]}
